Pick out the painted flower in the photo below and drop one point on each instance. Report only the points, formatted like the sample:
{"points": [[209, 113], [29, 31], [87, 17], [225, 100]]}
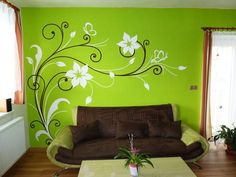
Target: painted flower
{"points": [[129, 44], [79, 75]]}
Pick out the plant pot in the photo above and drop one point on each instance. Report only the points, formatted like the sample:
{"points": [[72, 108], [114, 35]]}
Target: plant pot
{"points": [[230, 150], [133, 170]]}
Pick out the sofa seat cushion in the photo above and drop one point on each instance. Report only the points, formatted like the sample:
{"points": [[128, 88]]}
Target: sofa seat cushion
{"points": [[108, 147], [193, 150], [63, 159], [102, 148], [157, 146], [193, 147]]}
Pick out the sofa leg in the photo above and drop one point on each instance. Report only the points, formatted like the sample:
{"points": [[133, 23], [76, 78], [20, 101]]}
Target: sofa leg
{"points": [[59, 172], [197, 165]]}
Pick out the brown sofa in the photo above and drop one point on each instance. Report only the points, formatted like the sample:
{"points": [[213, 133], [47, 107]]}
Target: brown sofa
{"points": [[101, 131]]}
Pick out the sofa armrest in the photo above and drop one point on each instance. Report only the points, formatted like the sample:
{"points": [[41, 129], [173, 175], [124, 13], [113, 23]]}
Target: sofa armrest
{"points": [[190, 136], [62, 139]]}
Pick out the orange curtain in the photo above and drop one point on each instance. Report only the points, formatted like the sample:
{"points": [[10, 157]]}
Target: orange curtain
{"points": [[19, 98], [205, 80]]}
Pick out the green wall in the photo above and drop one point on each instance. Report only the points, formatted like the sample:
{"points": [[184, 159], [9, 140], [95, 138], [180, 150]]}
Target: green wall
{"points": [[120, 78]]}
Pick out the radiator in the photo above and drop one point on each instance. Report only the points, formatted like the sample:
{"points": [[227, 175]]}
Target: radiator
{"points": [[12, 143]]}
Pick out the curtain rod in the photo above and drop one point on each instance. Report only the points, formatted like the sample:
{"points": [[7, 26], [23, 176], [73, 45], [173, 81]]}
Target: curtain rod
{"points": [[10, 5], [218, 29]]}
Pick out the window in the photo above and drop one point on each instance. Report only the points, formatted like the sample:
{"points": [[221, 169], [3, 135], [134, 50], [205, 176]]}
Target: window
{"points": [[223, 80], [10, 75]]}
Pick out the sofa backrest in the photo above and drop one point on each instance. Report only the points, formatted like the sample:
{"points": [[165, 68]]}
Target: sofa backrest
{"points": [[108, 116], [135, 113]]}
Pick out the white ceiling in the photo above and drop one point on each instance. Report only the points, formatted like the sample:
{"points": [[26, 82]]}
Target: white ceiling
{"points": [[218, 4]]}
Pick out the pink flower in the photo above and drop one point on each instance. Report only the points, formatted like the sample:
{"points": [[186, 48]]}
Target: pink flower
{"points": [[135, 150]]}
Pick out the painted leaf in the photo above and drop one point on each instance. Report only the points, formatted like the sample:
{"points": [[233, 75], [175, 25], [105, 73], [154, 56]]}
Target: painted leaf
{"points": [[146, 85], [54, 107], [60, 64], [39, 54], [72, 34], [131, 61], [39, 133], [30, 60], [88, 100], [111, 74], [181, 68]]}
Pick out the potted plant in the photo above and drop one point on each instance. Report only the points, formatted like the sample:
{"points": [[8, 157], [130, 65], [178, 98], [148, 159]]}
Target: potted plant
{"points": [[229, 136], [134, 159]]}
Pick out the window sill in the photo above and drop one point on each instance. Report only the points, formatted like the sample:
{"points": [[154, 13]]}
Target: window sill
{"points": [[5, 117], [3, 113]]}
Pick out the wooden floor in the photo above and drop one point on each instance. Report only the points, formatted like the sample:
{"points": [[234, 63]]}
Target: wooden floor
{"points": [[217, 163]]}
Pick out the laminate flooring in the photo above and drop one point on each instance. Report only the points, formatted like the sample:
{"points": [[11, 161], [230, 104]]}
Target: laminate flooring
{"points": [[217, 163]]}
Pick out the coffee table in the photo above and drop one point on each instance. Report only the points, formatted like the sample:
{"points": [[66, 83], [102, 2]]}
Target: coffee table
{"points": [[163, 167]]}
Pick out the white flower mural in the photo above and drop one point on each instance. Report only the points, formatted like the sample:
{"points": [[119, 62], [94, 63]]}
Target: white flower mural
{"points": [[129, 44], [83, 69], [79, 75]]}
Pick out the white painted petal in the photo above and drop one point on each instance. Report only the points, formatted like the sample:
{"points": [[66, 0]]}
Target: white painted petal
{"points": [[111, 74], [134, 39], [122, 44], [88, 100], [75, 81], [60, 64], [85, 30], [153, 61], [93, 32], [30, 60], [155, 53], [84, 69], [125, 49], [72, 34], [131, 61], [131, 50], [161, 54], [70, 73], [146, 85], [136, 45], [76, 67], [126, 37], [87, 76], [181, 68], [83, 82], [88, 26]]}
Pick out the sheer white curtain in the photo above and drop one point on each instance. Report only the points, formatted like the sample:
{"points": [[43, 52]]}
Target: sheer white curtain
{"points": [[9, 62], [223, 80]]}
